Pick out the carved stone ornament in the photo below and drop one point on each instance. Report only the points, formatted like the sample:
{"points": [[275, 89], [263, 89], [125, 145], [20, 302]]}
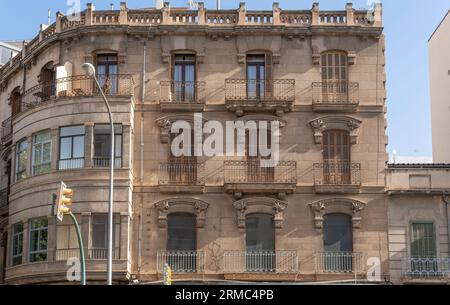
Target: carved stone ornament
{"points": [[346, 206], [181, 205], [265, 205], [332, 122]]}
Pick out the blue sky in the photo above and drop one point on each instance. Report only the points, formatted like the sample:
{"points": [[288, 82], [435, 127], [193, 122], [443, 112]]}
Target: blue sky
{"points": [[408, 25]]}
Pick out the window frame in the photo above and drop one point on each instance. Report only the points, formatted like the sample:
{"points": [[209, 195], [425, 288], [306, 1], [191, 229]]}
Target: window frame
{"points": [[116, 142], [195, 231], [24, 150], [423, 222], [31, 253], [71, 146], [33, 152], [17, 242], [116, 233]]}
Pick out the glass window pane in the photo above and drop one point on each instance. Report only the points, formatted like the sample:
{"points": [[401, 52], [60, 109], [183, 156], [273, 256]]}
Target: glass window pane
{"points": [[72, 130], [78, 147]]}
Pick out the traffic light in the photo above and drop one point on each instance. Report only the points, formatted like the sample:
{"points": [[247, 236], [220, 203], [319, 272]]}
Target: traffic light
{"points": [[167, 275], [63, 201]]}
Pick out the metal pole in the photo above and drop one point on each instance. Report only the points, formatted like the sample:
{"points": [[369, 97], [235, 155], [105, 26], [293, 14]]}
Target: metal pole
{"points": [[111, 189], [80, 244]]}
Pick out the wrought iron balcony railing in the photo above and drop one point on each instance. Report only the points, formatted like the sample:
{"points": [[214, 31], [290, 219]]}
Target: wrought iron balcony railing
{"points": [[275, 90], [338, 262], [426, 267], [103, 162], [74, 163], [335, 93], [6, 130], [181, 261], [181, 174], [260, 261], [76, 86], [253, 172], [4, 197], [182, 92], [337, 173]]}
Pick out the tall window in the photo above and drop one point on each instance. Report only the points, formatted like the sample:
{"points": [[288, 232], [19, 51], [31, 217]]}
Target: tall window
{"points": [[334, 76], [99, 231], [182, 236], [260, 243], [42, 146], [47, 80], [16, 102], [184, 77], [107, 71], [21, 159], [183, 169], [102, 145], [336, 157], [66, 240], [17, 244], [423, 248], [337, 243], [71, 147], [38, 239], [255, 171], [259, 75]]}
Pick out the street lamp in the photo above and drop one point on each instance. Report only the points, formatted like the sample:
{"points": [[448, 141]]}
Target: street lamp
{"points": [[90, 71]]}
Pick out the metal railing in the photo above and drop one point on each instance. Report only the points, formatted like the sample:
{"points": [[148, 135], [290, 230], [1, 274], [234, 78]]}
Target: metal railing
{"points": [[253, 172], [6, 129], [181, 174], [4, 197], [65, 254], [338, 262], [102, 253], [426, 267], [277, 90], [75, 86], [74, 163], [104, 162], [335, 93], [337, 173], [182, 92], [181, 261], [260, 261]]}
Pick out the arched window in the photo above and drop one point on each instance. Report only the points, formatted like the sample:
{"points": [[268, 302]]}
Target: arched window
{"points": [[337, 243], [336, 157], [16, 102], [334, 68], [184, 78], [182, 242], [47, 80], [260, 243]]}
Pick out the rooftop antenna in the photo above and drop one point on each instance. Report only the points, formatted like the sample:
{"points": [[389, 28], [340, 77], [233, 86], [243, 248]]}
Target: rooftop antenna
{"points": [[193, 4], [394, 153], [49, 17]]}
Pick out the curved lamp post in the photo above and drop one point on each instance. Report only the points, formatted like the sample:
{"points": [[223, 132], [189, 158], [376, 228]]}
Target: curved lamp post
{"points": [[90, 71]]}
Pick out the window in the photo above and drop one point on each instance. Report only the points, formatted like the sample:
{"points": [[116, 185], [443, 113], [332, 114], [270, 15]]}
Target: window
{"points": [[71, 147], [334, 76], [107, 72], [42, 146], [260, 243], [182, 238], [99, 231], [183, 170], [21, 159], [255, 171], [47, 79], [102, 145], [16, 102], [66, 239], [17, 244], [336, 157], [38, 239], [259, 75], [184, 77], [423, 249], [337, 243]]}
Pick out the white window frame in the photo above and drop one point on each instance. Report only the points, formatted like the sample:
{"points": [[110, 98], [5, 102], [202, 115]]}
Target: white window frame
{"points": [[39, 230], [15, 238], [42, 143], [18, 152]]}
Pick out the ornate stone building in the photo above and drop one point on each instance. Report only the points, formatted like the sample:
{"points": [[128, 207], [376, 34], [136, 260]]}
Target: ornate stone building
{"points": [[318, 215]]}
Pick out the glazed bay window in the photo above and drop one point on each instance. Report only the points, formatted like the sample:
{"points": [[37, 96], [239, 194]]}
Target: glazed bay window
{"points": [[71, 147], [102, 145], [99, 229], [21, 159], [17, 244], [66, 239], [38, 240], [42, 146]]}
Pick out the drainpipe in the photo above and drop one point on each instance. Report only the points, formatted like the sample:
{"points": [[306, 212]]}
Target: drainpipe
{"points": [[445, 200]]}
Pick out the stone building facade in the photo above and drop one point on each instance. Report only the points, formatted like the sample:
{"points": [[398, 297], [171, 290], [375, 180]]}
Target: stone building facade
{"points": [[319, 214]]}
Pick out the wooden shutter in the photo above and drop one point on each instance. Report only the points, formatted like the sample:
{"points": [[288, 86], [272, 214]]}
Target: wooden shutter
{"points": [[423, 239], [268, 74]]}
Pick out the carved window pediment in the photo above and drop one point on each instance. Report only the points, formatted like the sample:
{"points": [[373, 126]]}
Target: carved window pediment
{"points": [[181, 205], [346, 206], [346, 123], [265, 205], [166, 122]]}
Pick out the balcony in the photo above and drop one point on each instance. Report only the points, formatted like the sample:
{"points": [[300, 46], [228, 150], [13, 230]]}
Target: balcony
{"points": [[75, 163], [338, 262], [92, 254], [250, 177], [260, 262], [249, 95], [6, 132], [104, 162], [181, 261], [77, 86], [181, 178], [335, 96], [426, 268], [337, 177], [182, 96]]}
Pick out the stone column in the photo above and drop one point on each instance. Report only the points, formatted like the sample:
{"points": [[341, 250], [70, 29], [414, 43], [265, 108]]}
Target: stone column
{"points": [[30, 156], [315, 14], [350, 14], [51, 238], [127, 148], [124, 225], [55, 149], [59, 16], [378, 15], [166, 14], [85, 227], [26, 242], [88, 144]]}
